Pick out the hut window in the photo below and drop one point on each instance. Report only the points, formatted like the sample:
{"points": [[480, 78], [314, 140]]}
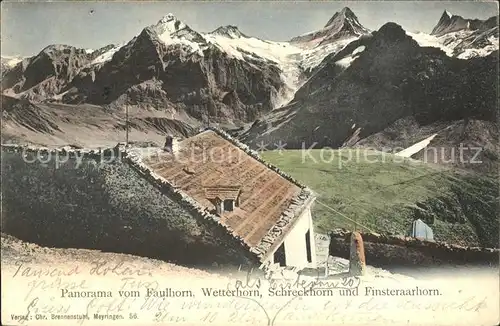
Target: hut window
{"points": [[225, 198], [308, 246], [228, 205]]}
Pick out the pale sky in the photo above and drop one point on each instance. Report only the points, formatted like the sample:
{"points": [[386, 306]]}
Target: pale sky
{"points": [[26, 28]]}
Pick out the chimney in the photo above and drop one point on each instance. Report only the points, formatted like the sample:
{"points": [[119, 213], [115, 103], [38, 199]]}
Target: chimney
{"points": [[171, 144]]}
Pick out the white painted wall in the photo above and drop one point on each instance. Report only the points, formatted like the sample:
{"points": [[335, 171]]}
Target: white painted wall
{"points": [[295, 242]]}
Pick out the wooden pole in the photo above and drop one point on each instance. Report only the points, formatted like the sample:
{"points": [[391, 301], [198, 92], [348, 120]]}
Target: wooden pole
{"points": [[357, 260]]}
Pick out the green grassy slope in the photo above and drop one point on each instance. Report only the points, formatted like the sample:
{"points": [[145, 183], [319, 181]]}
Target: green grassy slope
{"points": [[385, 193]]}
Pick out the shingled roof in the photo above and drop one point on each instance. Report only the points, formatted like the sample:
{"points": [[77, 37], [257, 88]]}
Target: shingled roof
{"points": [[212, 163], [270, 201]]}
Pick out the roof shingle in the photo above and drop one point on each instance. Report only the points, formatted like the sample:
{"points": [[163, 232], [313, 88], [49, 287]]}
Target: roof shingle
{"points": [[223, 169]]}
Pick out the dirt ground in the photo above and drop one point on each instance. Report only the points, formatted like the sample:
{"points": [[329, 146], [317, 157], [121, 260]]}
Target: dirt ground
{"points": [[15, 251]]}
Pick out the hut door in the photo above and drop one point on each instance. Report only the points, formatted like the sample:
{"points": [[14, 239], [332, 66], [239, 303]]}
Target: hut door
{"points": [[279, 255]]}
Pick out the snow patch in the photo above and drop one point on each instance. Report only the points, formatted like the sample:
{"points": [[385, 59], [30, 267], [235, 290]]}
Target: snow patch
{"points": [[348, 60], [311, 58], [493, 40], [59, 96], [108, 55], [470, 53], [290, 58], [426, 40], [228, 31], [193, 46], [283, 54], [89, 51], [359, 49], [408, 152], [11, 62], [167, 31], [233, 34], [168, 25], [450, 41]]}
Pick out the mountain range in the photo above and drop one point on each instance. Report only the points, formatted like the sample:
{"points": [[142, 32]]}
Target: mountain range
{"points": [[341, 85]]}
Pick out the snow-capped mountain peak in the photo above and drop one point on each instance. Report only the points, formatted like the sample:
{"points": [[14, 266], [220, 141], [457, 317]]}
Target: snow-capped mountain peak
{"points": [[342, 25], [460, 37], [345, 22], [230, 31], [167, 18], [449, 23], [345, 13], [170, 30], [168, 25], [444, 20]]}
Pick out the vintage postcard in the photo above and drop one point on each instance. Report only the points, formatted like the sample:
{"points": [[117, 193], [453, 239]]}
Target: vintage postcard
{"points": [[250, 163]]}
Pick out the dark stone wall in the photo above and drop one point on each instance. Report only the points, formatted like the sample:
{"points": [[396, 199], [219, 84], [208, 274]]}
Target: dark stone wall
{"points": [[392, 251], [108, 207]]}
